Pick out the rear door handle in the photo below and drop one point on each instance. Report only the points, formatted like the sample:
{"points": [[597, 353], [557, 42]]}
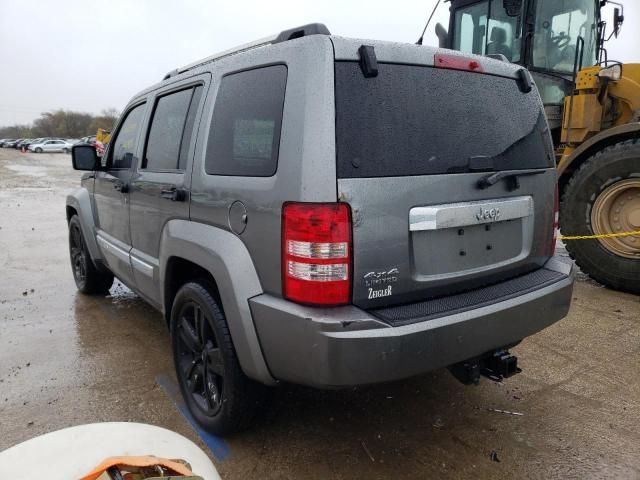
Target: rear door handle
{"points": [[174, 194], [120, 186]]}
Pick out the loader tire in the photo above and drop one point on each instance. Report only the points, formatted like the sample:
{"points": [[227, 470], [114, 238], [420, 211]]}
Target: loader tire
{"points": [[603, 196]]}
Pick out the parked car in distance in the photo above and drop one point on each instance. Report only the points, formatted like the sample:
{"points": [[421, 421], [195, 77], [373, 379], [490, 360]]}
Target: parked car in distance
{"points": [[90, 139], [51, 146], [12, 143], [5, 140], [30, 141], [298, 214]]}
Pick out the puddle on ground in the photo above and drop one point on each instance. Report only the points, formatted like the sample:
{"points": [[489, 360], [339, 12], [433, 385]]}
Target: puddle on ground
{"points": [[31, 170], [121, 296]]}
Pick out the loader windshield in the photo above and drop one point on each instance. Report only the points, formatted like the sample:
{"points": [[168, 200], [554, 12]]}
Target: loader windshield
{"points": [[558, 25]]}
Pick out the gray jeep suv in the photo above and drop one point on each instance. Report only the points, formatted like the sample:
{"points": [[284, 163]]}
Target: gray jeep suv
{"points": [[330, 212]]}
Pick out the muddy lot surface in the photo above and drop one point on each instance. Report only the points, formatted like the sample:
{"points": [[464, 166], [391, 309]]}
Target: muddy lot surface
{"points": [[68, 359]]}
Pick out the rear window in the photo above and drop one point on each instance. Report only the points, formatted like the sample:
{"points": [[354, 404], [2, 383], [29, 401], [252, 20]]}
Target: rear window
{"points": [[413, 120]]}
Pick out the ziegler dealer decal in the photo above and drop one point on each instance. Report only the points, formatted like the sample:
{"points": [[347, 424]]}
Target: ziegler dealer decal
{"points": [[382, 279], [385, 292]]}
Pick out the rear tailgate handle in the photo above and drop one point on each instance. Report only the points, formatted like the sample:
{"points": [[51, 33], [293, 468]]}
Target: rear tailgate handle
{"points": [[514, 183], [455, 215]]}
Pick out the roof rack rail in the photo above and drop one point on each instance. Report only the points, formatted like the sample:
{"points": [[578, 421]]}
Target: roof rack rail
{"points": [[302, 31], [284, 36]]}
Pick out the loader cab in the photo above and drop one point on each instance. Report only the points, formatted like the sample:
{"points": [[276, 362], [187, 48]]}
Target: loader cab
{"points": [[549, 37]]}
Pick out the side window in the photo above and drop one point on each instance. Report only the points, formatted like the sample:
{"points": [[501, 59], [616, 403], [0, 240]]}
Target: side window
{"points": [[504, 31], [471, 29], [472, 33], [245, 132], [171, 130], [123, 147]]}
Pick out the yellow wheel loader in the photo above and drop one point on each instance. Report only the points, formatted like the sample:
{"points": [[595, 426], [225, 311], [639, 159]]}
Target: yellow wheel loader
{"points": [[103, 136], [592, 105]]}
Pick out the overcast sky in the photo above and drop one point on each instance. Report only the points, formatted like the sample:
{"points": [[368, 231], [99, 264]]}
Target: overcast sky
{"points": [[86, 55]]}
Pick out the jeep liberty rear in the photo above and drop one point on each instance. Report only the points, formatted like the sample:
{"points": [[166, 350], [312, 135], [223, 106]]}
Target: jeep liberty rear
{"points": [[446, 165]]}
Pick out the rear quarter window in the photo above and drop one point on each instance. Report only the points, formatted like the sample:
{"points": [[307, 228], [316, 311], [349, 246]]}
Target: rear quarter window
{"points": [[244, 138]]}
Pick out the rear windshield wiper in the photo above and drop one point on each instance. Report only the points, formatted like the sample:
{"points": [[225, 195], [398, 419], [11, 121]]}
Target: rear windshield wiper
{"points": [[510, 175]]}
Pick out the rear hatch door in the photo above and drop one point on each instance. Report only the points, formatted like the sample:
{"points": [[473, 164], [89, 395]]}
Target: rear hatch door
{"points": [[450, 176]]}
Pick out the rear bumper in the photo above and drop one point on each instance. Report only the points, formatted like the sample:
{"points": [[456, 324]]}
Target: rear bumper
{"points": [[347, 346]]}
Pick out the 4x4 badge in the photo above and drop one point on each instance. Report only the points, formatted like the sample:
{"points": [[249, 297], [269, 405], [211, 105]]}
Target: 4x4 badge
{"points": [[383, 277], [492, 214]]}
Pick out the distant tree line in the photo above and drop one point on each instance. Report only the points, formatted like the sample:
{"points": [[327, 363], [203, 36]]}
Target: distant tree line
{"points": [[63, 124]]}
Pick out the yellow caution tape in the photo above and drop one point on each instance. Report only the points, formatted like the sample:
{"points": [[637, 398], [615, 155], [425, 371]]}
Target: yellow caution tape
{"points": [[605, 235]]}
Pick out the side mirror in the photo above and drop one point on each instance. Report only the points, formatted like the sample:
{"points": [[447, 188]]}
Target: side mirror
{"points": [[618, 20], [613, 73], [84, 157], [512, 7], [443, 36]]}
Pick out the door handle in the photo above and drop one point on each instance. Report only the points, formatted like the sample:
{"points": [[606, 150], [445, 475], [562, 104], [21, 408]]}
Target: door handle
{"points": [[174, 194], [121, 187]]}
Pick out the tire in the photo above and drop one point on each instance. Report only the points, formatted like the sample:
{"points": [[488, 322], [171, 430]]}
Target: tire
{"points": [[65, 150], [88, 278], [610, 167], [38, 150], [218, 394]]}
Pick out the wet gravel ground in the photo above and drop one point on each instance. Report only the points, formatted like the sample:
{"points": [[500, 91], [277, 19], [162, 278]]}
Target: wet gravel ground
{"points": [[68, 359]]}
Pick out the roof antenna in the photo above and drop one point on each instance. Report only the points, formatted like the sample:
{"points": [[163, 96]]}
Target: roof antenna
{"points": [[419, 42]]}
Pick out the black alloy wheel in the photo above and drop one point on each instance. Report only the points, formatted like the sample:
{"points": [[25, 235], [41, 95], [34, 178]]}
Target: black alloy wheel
{"points": [[220, 397], [199, 359], [87, 277], [78, 254]]}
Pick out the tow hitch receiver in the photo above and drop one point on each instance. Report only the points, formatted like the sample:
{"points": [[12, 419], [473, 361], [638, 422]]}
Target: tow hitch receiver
{"points": [[500, 364]]}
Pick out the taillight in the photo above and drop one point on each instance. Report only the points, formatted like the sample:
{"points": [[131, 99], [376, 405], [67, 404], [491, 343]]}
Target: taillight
{"points": [[316, 253], [456, 62], [556, 222]]}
